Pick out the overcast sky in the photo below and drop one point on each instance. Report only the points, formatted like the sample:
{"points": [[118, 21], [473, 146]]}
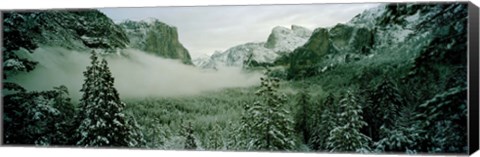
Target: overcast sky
{"points": [[204, 29]]}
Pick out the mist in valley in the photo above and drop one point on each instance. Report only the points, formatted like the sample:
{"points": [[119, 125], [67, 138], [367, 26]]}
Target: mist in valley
{"points": [[137, 74]]}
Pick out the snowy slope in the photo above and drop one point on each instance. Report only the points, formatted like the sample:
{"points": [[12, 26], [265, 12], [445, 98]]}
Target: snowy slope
{"points": [[281, 40], [286, 40], [368, 17]]}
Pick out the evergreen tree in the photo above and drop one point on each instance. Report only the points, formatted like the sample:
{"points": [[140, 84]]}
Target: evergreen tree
{"points": [[267, 120], [234, 134], [383, 104], [324, 122], [215, 138], [444, 119], [155, 133], [18, 31], [190, 143], [388, 100], [403, 136], [347, 136], [302, 115], [103, 122], [244, 133], [38, 118]]}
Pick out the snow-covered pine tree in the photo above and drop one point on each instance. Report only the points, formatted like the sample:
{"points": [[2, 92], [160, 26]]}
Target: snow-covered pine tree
{"points": [[324, 122], [243, 138], [155, 133], [190, 143], [302, 115], [269, 122], [346, 137], [403, 136], [215, 138], [444, 119], [18, 31], [382, 105], [234, 134], [103, 122], [39, 118], [388, 100]]}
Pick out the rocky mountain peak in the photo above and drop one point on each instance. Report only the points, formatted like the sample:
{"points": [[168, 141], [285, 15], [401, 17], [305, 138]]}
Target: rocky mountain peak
{"points": [[285, 40], [76, 30], [156, 37], [281, 41]]}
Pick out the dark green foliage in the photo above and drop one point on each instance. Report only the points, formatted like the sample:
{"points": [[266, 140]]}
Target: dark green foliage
{"points": [[382, 107], [302, 115], [18, 30], [39, 118], [404, 136], [444, 118], [442, 63]]}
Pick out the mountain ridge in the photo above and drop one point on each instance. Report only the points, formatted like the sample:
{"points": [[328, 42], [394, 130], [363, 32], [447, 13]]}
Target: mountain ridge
{"points": [[156, 37], [281, 41]]}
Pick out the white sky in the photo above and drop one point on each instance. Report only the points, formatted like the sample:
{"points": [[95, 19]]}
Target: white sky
{"points": [[204, 29]]}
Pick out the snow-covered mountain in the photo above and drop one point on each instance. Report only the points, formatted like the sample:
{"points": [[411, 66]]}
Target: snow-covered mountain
{"points": [[400, 30], [286, 40], [281, 40], [75, 30], [157, 38]]}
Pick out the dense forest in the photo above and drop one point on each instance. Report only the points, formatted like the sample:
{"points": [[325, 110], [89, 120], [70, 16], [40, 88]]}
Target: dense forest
{"points": [[355, 87]]}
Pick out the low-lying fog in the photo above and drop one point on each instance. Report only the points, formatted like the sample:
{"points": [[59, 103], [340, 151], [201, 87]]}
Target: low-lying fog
{"points": [[136, 76]]}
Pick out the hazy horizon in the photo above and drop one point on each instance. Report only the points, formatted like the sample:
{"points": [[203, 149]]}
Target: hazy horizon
{"points": [[206, 29]]}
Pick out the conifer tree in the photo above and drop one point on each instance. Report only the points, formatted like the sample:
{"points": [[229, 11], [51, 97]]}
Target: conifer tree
{"points": [[215, 138], [347, 136], [324, 122], [444, 119], [190, 143], [233, 135], [244, 133], [38, 118], [382, 107], [403, 136], [388, 100], [302, 115], [268, 120], [103, 122]]}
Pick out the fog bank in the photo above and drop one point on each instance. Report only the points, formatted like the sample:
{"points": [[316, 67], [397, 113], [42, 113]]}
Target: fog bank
{"points": [[138, 75]]}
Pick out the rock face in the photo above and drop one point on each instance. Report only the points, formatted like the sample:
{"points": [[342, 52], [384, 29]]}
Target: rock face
{"points": [[402, 30], [281, 41], [346, 38], [341, 39], [77, 30], [284, 40], [319, 42], [157, 38], [238, 55]]}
